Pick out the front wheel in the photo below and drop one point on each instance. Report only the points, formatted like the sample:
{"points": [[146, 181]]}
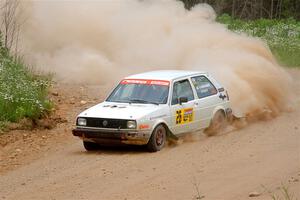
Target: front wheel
{"points": [[90, 146], [158, 139]]}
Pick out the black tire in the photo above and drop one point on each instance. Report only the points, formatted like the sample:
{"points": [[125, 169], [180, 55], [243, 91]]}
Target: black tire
{"points": [[218, 123], [90, 146], [158, 139]]}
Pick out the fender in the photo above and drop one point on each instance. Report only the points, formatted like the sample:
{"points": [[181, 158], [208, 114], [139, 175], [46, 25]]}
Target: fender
{"points": [[219, 107], [170, 135]]}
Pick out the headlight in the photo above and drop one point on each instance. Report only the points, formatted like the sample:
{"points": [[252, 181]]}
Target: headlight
{"points": [[81, 122], [131, 124]]}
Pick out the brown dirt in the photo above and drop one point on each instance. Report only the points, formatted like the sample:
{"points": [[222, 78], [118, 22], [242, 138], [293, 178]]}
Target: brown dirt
{"points": [[52, 164]]}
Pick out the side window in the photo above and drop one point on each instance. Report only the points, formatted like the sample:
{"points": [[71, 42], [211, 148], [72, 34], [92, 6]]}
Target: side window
{"points": [[182, 89], [203, 86]]}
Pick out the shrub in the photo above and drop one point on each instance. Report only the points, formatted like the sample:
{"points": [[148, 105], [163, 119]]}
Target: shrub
{"points": [[282, 36], [22, 94]]}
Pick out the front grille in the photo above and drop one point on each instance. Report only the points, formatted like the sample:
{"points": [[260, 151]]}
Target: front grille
{"points": [[106, 123], [88, 133], [103, 135]]}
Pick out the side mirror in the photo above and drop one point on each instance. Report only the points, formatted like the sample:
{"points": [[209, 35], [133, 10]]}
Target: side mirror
{"points": [[182, 100]]}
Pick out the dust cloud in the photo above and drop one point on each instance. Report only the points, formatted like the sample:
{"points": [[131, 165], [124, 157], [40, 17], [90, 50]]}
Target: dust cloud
{"points": [[102, 41]]}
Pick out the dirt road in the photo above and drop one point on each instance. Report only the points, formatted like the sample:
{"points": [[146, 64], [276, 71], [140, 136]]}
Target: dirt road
{"points": [[261, 157]]}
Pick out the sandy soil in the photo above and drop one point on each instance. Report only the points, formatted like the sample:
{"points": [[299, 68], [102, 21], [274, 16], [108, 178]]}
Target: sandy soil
{"points": [[52, 164]]}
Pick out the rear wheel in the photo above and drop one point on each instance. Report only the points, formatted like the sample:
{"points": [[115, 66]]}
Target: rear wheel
{"points": [[217, 124], [158, 139], [90, 146]]}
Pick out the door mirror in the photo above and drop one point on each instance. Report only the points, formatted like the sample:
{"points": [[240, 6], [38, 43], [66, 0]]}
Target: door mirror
{"points": [[182, 100]]}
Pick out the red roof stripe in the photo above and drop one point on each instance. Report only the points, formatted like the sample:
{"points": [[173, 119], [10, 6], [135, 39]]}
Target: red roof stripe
{"points": [[145, 81]]}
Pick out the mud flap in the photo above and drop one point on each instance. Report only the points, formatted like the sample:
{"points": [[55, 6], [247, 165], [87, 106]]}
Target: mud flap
{"points": [[238, 121], [235, 119], [234, 116], [171, 137]]}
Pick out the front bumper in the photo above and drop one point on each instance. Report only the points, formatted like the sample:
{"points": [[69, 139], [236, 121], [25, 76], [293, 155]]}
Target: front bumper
{"points": [[112, 136]]}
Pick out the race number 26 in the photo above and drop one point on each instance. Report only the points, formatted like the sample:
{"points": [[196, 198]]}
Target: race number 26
{"points": [[184, 116]]}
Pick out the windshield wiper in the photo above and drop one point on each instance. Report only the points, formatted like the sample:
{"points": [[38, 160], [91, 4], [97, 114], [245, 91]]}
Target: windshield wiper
{"points": [[142, 101]]}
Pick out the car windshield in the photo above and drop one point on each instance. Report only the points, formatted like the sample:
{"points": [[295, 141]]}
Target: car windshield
{"points": [[141, 91]]}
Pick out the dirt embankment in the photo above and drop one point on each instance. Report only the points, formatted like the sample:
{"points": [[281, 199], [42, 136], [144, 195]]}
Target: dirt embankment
{"points": [[21, 147], [51, 164]]}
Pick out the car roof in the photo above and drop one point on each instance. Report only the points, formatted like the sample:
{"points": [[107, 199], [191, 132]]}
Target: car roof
{"points": [[167, 75]]}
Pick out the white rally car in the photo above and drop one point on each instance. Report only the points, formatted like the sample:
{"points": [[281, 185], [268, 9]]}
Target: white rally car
{"points": [[147, 108]]}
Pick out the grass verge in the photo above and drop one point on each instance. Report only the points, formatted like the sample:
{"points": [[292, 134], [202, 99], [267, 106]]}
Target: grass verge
{"points": [[22, 94], [282, 36]]}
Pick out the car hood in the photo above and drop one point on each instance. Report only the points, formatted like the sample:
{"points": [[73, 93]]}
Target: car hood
{"points": [[113, 110]]}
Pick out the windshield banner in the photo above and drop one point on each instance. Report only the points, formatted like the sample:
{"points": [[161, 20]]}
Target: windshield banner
{"points": [[145, 81]]}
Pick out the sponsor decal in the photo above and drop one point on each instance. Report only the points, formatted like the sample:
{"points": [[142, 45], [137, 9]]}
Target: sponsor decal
{"points": [[184, 116], [145, 81]]}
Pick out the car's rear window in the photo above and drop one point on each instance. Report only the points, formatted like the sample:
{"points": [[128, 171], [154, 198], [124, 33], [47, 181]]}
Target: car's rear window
{"points": [[203, 86]]}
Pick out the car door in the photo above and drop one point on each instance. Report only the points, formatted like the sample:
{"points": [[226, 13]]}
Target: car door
{"points": [[183, 115], [207, 99]]}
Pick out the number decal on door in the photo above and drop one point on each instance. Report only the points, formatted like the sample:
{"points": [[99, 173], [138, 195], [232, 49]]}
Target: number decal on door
{"points": [[178, 116], [184, 116]]}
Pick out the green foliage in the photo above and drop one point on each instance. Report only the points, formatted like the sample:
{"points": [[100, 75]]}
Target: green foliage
{"points": [[252, 9], [282, 36], [21, 93]]}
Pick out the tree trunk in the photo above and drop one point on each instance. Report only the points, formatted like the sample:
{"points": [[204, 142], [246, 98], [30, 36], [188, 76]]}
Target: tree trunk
{"points": [[232, 8], [261, 9], [271, 10]]}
